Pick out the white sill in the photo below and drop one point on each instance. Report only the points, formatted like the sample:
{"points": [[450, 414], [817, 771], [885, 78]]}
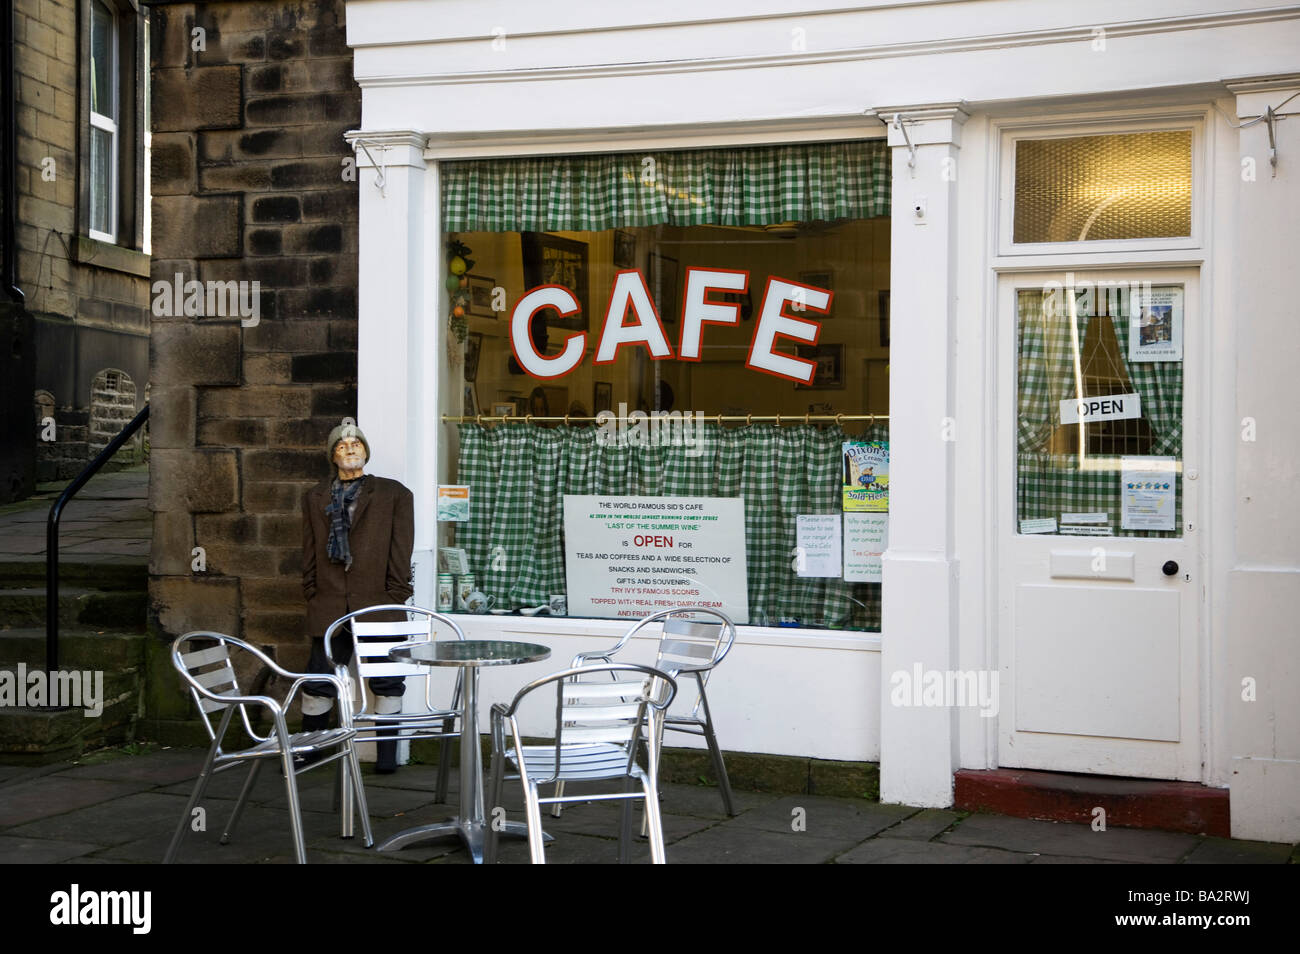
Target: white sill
{"points": [[834, 639]]}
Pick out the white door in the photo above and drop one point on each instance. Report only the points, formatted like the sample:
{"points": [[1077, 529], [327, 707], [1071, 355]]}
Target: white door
{"points": [[1099, 569]]}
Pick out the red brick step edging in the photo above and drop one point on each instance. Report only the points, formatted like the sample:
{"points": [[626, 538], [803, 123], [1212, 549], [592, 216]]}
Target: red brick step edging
{"points": [[1129, 802]]}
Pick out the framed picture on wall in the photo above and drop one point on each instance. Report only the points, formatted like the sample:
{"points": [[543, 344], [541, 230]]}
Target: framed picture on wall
{"points": [[471, 401], [603, 398], [552, 260], [624, 249], [883, 299], [480, 296], [473, 347], [830, 366], [663, 286], [506, 409]]}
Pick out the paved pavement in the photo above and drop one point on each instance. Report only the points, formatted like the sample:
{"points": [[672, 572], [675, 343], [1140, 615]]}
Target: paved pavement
{"points": [[108, 521], [115, 807]]}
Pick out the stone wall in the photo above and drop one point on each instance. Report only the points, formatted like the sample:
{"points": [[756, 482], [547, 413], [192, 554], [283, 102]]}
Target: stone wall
{"points": [[250, 104]]}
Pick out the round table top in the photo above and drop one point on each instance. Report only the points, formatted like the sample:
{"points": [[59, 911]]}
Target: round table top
{"points": [[471, 652]]}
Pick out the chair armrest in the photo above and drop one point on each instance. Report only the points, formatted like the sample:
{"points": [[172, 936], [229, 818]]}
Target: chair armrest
{"points": [[299, 679], [265, 701], [581, 659]]}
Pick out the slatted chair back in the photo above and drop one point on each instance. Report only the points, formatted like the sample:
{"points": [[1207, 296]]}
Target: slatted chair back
{"points": [[372, 641], [694, 645], [588, 711], [204, 660]]}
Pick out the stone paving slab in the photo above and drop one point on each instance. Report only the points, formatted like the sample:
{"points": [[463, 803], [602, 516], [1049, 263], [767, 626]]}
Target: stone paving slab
{"points": [[17, 850], [1074, 840], [898, 851], [118, 821], [42, 797], [731, 844], [924, 825], [854, 819], [1227, 851], [160, 768]]}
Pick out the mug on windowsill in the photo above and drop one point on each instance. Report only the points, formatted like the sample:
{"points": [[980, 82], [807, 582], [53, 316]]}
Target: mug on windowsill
{"points": [[478, 602]]}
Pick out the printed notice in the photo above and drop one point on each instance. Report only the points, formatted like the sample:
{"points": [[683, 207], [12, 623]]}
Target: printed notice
{"points": [[817, 544], [1041, 525], [866, 476], [866, 535], [1148, 486], [633, 556], [453, 503], [1155, 331]]}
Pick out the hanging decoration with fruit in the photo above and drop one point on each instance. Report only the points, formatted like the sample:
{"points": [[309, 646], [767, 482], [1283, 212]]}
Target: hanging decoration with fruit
{"points": [[459, 265]]}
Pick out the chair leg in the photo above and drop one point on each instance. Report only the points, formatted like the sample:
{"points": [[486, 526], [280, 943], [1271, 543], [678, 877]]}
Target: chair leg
{"points": [[657, 721], [354, 767], [557, 807], [536, 851], [200, 784], [495, 778], [343, 798], [654, 821], [625, 828], [291, 790], [243, 800], [719, 767]]}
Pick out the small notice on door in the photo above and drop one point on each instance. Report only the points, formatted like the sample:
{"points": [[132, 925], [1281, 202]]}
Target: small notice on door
{"points": [[1156, 324], [1148, 487], [866, 535], [817, 544]]}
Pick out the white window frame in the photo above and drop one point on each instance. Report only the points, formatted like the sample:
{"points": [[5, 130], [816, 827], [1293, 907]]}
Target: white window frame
{"points": [[1011, 133], [107, 124]]}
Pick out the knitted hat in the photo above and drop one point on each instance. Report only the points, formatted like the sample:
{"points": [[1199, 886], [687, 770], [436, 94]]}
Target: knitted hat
{"points": [[341, 432]]}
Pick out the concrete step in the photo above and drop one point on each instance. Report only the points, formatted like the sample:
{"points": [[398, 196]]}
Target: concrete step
{"points": [[1128, 802], [109, 649], [100, 576], [104, 711], [25, 606]]}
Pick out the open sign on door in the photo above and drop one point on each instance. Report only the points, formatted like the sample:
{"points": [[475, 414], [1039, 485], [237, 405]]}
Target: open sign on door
{"points": [[1110, 407]]}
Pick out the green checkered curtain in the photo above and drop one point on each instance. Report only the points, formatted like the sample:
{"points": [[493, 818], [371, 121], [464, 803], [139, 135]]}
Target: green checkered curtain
{"points": [[1049, 484], [520, 473], [762, 185]]}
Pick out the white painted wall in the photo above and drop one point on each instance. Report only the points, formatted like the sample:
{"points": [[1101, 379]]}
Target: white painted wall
{"points": [[590, 76]]}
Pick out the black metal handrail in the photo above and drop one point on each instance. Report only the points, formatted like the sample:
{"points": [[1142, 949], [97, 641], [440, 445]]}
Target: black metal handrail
{"points": [[52, 536]]}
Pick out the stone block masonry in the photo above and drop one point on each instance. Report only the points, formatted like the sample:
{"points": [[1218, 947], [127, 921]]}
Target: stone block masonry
{"points": [[251, 101]]}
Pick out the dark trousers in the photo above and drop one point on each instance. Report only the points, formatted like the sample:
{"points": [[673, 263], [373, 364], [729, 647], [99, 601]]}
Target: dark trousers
{"points": [[341, 646]]}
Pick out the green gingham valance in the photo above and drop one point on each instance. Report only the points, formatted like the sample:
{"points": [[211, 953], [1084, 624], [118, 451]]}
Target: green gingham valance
{"points": [[1049, 484], [762, 185], [520, 473]]}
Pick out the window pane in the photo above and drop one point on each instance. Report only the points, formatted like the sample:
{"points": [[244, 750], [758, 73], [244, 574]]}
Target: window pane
{"points": [[1100, 410], [101, 62], [1093, 188], [101, 153], [784, 474]]}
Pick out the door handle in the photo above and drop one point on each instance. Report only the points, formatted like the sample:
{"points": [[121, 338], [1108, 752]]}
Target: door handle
{"points": [[1170, 568]]}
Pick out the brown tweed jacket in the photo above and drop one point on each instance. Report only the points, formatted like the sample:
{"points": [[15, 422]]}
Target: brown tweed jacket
{"points": [[381, 539]]}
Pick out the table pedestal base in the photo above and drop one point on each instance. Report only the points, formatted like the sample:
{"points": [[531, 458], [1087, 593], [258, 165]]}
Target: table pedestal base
{"points": [[472, 835]]}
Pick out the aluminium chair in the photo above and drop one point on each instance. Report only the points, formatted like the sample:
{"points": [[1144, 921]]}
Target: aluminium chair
{"points": [[687, 647], [210, 673], [597, 736], [371, 642]]}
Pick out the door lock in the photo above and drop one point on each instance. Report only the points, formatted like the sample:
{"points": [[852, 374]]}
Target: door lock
{"points": [[1170, 568]]}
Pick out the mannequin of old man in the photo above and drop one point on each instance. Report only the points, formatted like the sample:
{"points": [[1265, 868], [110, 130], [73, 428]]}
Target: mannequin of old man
{"points": [[358, 533]]}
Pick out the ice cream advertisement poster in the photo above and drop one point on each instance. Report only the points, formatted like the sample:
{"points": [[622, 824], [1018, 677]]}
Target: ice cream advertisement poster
{"points": [[866, 476]]}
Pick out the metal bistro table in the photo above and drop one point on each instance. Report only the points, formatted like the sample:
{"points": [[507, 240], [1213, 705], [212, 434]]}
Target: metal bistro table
{"points": [[472, 655]]}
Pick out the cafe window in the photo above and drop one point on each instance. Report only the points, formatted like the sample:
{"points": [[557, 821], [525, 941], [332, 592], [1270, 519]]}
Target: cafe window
{"points": [[753, 290]]}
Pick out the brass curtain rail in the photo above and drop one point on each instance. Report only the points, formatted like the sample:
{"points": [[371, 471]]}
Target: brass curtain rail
{"points": [[778, 419]]}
